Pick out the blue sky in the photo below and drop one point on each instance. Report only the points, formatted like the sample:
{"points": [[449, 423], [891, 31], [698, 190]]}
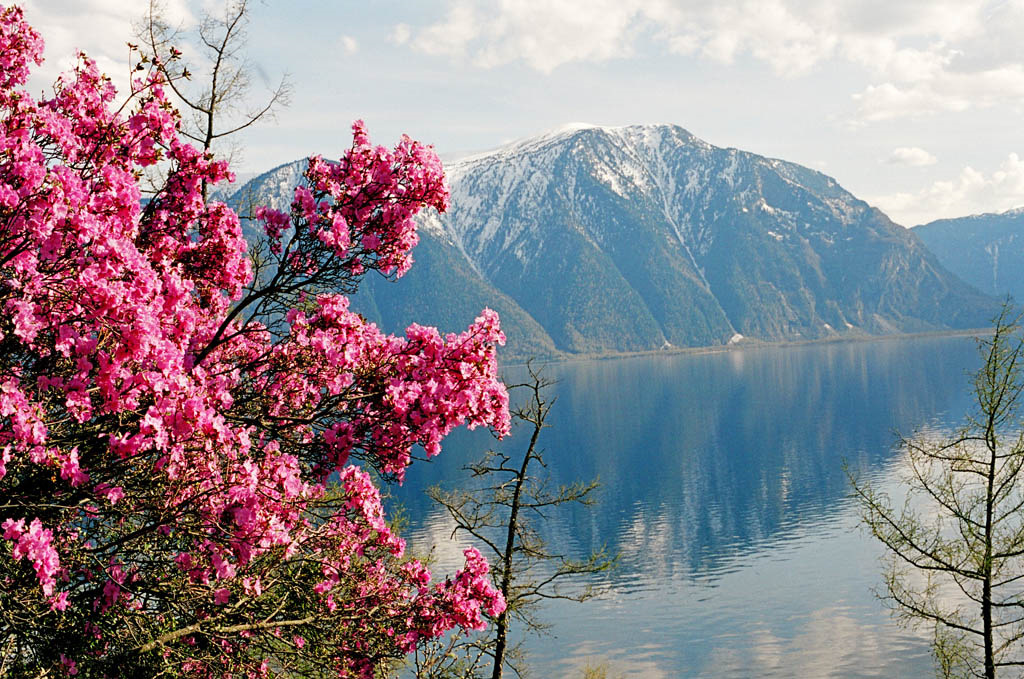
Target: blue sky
{"points": [[913, 105]]}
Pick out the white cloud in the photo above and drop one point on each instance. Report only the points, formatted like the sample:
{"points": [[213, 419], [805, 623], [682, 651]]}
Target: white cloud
{"points": [[947, 91], [911, 156], [401, 34], [451, 36], [770, 31], [884, 56], [944, 19], [970, 192], [888, 101], [348, 44], [109, 27], [924, 56], [548, 33], [543, 34]]}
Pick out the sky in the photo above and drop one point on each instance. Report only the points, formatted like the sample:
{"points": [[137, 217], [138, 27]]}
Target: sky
{"points": [[915, 106]]}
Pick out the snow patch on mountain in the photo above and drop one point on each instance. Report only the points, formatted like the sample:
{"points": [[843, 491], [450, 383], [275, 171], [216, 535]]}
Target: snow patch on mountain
{"points": [[638, 162]]}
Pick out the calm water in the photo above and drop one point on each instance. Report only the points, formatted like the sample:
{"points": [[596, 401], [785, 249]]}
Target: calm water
{"points": [[723, 489]]}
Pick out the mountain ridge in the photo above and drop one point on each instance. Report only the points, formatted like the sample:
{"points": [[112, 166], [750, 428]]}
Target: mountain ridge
{"points": [[986, 250], [603, 239]]}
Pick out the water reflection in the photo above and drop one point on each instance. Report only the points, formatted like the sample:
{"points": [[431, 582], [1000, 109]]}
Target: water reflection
{"points": [[723, 489]]}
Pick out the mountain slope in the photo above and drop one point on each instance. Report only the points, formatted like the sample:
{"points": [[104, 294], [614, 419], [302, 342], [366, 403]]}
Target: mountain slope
{"points": [[985, 250], [591, 239], [693, 243], [442, 289]]}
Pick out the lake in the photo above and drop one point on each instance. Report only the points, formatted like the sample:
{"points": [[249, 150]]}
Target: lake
{"points": [[724, 491]]}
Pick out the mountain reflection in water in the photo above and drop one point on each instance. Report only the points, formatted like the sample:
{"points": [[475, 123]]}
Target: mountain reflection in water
{"points": [[724, 491]]}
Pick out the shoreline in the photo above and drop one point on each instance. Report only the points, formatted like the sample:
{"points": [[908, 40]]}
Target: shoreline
{"points": [[745, 345]]}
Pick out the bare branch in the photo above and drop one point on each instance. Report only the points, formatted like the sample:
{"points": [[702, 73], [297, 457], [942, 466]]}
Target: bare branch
{"points": [[956, 549], [501, 515]]}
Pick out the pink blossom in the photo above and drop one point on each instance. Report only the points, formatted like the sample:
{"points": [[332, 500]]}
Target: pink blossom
{"points": [[187, 430], [35, 544], [70, 666]]}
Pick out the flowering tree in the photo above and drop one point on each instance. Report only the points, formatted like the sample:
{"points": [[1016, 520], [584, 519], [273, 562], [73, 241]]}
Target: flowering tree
{"points": [[176, 493]]}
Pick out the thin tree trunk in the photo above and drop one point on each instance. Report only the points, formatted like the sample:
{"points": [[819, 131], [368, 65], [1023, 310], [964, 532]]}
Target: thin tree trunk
{"points": [[986, 587], [501, 627]]}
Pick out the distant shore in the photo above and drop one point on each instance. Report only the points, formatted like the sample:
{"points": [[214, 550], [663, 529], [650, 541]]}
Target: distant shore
{"points": [[745, 345]]}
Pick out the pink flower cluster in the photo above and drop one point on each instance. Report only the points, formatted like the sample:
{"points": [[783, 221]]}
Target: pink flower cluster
{"points": [[419, 389], [472, 593], [156, 438], [34, 543], [417, 610], [360, 209]]}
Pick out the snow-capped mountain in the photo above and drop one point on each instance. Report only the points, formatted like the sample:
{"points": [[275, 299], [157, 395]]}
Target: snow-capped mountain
{"points": [[985, 250], [595, 239]]}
